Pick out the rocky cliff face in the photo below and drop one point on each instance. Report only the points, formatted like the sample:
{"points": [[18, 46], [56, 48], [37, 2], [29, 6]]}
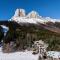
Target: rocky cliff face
{"points": [[19, 13]]}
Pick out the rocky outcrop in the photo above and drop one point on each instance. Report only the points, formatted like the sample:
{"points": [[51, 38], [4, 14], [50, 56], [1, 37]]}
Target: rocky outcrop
{"points": [[19, 13]]}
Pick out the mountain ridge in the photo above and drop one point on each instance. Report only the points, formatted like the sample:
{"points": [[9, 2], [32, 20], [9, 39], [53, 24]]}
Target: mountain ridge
{"points": [[32, 17]]}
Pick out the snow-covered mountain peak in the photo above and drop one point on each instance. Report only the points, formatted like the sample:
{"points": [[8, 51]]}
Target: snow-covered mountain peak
{"points": [[19, 13], [16, 13], [33, 17], [33, 14]]}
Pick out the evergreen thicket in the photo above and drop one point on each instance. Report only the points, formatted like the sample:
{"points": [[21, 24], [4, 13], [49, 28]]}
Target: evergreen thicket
{"points": [[23, 37]]}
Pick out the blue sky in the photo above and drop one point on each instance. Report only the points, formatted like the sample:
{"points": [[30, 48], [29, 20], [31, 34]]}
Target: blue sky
{"points": [[45, 8]]}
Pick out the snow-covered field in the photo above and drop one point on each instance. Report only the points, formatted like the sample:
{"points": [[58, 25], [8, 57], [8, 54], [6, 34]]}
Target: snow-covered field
{"points": [[54, 54], [27, 55]]}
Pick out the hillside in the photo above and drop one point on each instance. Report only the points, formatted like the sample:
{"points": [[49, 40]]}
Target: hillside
{"points": [[20, 32], [25, 29]]}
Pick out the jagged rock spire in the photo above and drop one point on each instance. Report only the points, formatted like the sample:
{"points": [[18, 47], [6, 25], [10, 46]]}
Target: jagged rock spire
{"points": [[22, 12], [16, 13], [33, 14], [19, 13]]}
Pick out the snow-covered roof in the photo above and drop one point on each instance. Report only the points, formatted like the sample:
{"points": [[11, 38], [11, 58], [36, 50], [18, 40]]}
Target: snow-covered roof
{"points": [[5, 28]]}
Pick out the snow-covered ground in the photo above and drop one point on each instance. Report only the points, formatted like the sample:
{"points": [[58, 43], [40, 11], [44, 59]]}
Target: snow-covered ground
{"points": [[27, 55], [54, 54]]}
